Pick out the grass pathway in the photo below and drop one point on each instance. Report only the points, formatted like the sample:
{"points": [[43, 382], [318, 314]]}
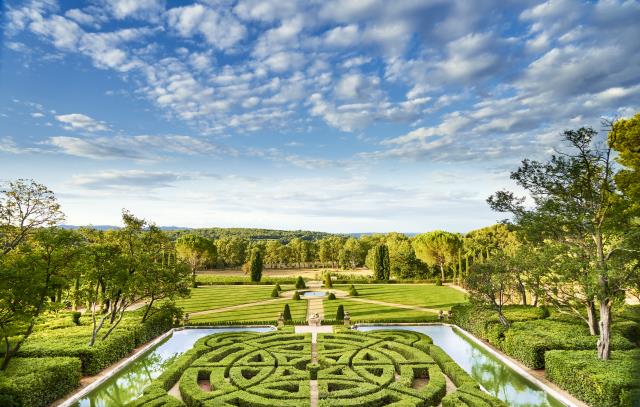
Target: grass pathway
{"points": [[391, 304], [235, 307], [315, 306]]}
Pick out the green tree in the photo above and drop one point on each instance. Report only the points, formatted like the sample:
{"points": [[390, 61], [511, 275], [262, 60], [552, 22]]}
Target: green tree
{"points": [[196, 251], [254, 265], [329, 249], [437, 249], [490, 284], [352, 254], [578, 209], [381, 263], [300, 285], [340, 313], [402, 257], [328, 283], [624, 137], [28, 275]]}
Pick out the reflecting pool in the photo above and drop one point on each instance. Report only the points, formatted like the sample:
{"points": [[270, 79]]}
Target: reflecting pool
{"points": [[496, 377], [128, 383]]}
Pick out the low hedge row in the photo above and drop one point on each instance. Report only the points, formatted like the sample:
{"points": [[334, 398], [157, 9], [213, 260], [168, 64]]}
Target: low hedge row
{"points": [[599, 383], [73, 342], [36, 382], [245, 323], [470, 396], [529, 341]]}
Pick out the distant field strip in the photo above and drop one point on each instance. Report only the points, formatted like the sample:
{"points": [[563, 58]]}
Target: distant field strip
{"points": [[362, 311]]}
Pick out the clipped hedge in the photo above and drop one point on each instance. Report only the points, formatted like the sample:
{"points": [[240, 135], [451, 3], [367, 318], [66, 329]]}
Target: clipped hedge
{"points": [[470, 396], [73, 342], [36, 382], [613, 383], [528, 341]]}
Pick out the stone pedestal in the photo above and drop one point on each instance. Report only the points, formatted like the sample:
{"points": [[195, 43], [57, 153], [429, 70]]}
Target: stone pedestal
{"points": [[347, 318], [281, 320]]}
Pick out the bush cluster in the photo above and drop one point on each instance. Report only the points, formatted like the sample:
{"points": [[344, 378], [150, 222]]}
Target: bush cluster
{"points": [[38, 381], [599, 383]]}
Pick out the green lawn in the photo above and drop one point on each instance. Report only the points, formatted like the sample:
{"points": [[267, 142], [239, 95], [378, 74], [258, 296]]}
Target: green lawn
{"points": [[265, 312], [423, 295], [219, 296], [361, 311]]}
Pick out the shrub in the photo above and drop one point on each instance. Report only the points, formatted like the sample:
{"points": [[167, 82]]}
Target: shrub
{"points": [[599, 383], [438, 281], [286, 313], [352, 291], [278, 287], [75, 317], [331, 296], [628, 329], [300, 285], [327, 280], [528, 341], [296, 296], [38, 381], [275, 293], [340, 313]]}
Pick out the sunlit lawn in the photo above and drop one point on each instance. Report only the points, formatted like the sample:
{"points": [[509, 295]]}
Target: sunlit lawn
{"points": [[360, 311], [423, 295], [266, 312], [220, 296]]}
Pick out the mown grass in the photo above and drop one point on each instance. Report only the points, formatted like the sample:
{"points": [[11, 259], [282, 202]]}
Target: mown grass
{"points": [[264, 312], [361, 311], [422, 295], [220, 296]]}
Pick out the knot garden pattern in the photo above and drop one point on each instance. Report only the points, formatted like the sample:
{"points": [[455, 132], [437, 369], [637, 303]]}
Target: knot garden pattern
{"points": [[376, 368]]}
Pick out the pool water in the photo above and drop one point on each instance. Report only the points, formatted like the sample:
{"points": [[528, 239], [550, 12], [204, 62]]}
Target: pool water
{"points": [[495, 376], [314, 294], [129, 383]]}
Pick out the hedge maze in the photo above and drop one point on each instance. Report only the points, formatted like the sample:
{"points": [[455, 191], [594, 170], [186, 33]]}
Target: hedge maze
{"points": [[378, 368]]}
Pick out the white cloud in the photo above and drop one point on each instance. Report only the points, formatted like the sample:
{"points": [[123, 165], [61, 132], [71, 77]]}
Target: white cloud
{"points": [[79, 121], [219, 28], [135, 8], [344, 36], [129, 179], [62, 32]]}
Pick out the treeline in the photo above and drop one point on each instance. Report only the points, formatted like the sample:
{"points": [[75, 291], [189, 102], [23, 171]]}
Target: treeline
{"points": [[283, 236], [442, 254]]}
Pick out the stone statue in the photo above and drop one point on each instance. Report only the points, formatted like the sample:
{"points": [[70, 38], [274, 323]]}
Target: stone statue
{"points": [[347, 318]]}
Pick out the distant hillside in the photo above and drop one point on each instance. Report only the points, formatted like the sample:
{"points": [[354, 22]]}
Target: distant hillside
{"points": [[253, 234], [112, 227]]}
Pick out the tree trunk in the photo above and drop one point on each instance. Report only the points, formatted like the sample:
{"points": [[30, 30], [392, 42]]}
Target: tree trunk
{"points": [[591, 318], [442, 272], [604, 351], [503, 319], [123, 307], [146, 312], [76, 294], [10, 353]]}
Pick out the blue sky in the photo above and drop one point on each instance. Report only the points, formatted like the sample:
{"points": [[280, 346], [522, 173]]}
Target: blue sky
{"points": [[333, 115]]}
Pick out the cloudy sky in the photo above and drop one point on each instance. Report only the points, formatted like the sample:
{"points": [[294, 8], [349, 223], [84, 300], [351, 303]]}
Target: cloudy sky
{"points": [[332, 115]]}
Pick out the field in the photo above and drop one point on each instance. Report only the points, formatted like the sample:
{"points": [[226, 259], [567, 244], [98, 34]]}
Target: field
{"points": [[307, 273]]}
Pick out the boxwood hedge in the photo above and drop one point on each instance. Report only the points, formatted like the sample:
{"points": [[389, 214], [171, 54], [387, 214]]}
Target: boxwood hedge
{"points": [[35, 382]]}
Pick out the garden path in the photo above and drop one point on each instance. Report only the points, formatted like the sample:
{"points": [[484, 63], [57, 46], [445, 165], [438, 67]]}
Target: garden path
{"points": [[234, 307]]}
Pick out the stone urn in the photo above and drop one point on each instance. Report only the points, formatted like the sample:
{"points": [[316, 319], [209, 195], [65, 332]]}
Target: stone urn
{"points": [[347, 318], [281, 320]]}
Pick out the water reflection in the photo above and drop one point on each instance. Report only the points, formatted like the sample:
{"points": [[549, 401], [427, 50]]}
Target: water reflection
{"points": [[129, 383], [496, 377]]}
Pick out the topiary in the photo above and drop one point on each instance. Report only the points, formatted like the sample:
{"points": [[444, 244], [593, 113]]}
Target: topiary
{"points": [[352, 291], [300, 283], [286, 313], [438, 281], [275, 293], [75, 317], [327, 281], [340, 313], [331, 296], [296, 295], [278, 287]]}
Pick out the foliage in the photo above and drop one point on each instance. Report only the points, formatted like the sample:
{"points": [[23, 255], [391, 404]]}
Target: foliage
{"points": [[331, 296], [437, 249], [300, 285], [352, 291], [196, 251], [254, 265], [327, 280], [491, 284], [340, 313], [381, 262], [38, 382], [275, 293], [286, 313], [599, 383], [438, 281], [296, 296]]}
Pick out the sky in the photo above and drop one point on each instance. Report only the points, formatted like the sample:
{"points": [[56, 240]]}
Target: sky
{"points": [[332, 115]]}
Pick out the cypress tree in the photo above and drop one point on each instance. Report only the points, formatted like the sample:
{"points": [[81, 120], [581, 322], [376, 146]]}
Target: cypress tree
{"points": [[327, 281], [300, 283], [381, 263], [275, 293], [255, 265], [340, 313], [352, 291]]}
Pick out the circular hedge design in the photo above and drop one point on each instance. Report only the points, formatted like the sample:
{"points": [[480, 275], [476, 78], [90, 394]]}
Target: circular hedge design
{"points": [[349, 368]]}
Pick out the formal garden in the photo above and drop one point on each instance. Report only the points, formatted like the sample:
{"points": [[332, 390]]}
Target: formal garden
{"points": [[538, 311]]}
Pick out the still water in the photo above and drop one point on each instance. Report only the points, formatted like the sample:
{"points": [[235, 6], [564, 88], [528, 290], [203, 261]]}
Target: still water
{"points": [[129, 383], [496, 377]]}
